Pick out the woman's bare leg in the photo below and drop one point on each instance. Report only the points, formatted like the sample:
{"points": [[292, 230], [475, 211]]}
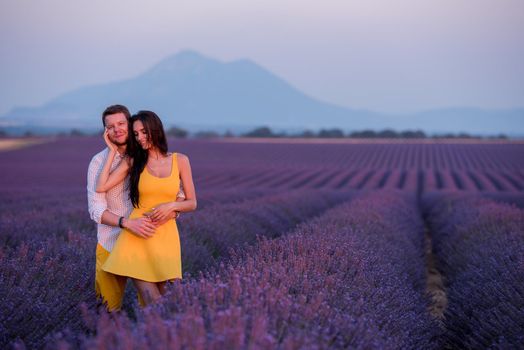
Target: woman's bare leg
{"points": [[161, 287], [149, 291]]}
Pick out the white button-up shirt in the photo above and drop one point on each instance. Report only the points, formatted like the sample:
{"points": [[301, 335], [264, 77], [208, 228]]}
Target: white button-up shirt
{"points": [[116, 200]]}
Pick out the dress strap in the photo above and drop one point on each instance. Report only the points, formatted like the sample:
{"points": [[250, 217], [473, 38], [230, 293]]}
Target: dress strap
{"points": [[174, 163]]}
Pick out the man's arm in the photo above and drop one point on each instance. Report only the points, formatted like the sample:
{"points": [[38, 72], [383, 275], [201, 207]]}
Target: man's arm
{"points": [[109, 218], [142, 227], [97, 203], [181, 196]]}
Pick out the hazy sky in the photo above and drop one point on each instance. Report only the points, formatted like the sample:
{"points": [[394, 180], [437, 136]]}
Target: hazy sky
{"points": [[383, 55]]}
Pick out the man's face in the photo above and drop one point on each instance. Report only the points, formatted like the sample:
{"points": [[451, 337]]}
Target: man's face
{"points": [[116, 125]]}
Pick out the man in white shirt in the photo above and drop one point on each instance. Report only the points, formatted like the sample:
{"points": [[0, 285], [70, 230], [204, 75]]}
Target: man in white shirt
{"points": [[111, 210]]}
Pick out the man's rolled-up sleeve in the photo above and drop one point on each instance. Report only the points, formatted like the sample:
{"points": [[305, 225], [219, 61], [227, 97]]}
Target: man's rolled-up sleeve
{"points": [[181, 193], [96, 202]]}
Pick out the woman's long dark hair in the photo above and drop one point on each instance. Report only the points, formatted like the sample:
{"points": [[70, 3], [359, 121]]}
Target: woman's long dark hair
{"points": [[156, 138]]}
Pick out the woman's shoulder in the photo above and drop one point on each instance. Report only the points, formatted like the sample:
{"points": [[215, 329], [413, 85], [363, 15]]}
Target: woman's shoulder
{"points": [[182, 160], [181, 156]]}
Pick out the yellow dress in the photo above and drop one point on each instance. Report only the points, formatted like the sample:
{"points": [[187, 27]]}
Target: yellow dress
{"points": [[154, 259]]}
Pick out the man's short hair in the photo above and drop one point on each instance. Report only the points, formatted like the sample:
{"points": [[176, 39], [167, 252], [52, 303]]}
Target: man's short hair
{"points": [[114, 109]]}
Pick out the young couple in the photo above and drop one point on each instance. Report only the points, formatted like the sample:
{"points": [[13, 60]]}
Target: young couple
{"points": [[136, 189]]}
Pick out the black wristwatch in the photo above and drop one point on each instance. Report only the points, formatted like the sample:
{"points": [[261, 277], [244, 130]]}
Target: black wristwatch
{"points": [[120, 222]]}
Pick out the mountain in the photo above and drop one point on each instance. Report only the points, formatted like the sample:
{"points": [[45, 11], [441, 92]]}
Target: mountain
{"points": [[197, 92], [191, 89]]}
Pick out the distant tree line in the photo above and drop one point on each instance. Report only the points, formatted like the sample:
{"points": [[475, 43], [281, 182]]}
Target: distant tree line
{"points": [[368, 134], [265, 131]]}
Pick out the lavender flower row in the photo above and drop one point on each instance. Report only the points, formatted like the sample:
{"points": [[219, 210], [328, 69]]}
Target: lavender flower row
{"points": [[209, 234], [47, 273], [479, 244], [427, 167], [26, 213], [207, 198], [42, 283], [352, 278]]}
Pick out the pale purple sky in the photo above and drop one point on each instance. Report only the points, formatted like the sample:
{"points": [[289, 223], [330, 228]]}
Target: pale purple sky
{"points": [[384, 55]]}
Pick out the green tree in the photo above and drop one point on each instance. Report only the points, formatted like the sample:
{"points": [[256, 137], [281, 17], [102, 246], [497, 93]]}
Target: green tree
{"points": [[177, 132], [330, 133], [262, 131]]}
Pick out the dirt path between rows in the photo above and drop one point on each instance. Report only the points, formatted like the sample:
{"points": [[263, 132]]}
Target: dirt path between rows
{"points": [[434, 282]]}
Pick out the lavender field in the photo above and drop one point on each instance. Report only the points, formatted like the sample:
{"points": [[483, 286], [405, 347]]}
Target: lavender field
{"points": [[293, 245]]}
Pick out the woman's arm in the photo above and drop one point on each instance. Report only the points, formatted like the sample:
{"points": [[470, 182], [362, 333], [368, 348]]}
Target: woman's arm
{"points": [[162, 211], [107, 178], [190, 203]]}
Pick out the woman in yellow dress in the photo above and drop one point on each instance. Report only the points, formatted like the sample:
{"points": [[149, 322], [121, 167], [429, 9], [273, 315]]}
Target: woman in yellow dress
{"points": [[155, 177]]}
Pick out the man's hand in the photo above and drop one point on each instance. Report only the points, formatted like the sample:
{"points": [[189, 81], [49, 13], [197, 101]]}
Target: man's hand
{"points": [[142, 227]]}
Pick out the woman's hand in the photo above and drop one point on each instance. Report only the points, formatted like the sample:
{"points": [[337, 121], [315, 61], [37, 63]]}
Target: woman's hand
{"points": [[161, 212], [107, 178], [162, 222], [112, 147]]}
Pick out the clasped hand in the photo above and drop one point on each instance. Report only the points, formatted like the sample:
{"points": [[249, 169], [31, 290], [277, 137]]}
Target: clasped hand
{"points": [[145, 226], [161, 213]]}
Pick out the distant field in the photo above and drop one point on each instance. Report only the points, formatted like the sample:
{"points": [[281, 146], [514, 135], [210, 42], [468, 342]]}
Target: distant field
{"points": [[304, 244], [418, 167], [368, 140]]}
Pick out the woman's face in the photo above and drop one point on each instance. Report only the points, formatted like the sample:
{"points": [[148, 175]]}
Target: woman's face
{"points": [[141, 135]]}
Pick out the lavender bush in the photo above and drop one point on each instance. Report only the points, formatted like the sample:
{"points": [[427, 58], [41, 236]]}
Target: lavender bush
{"points": [[41, 286], [47, 240], [479, 245], [28, 216], [219, 165], [52, 263], [209, 234], [351, 278], [220, 197]]}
